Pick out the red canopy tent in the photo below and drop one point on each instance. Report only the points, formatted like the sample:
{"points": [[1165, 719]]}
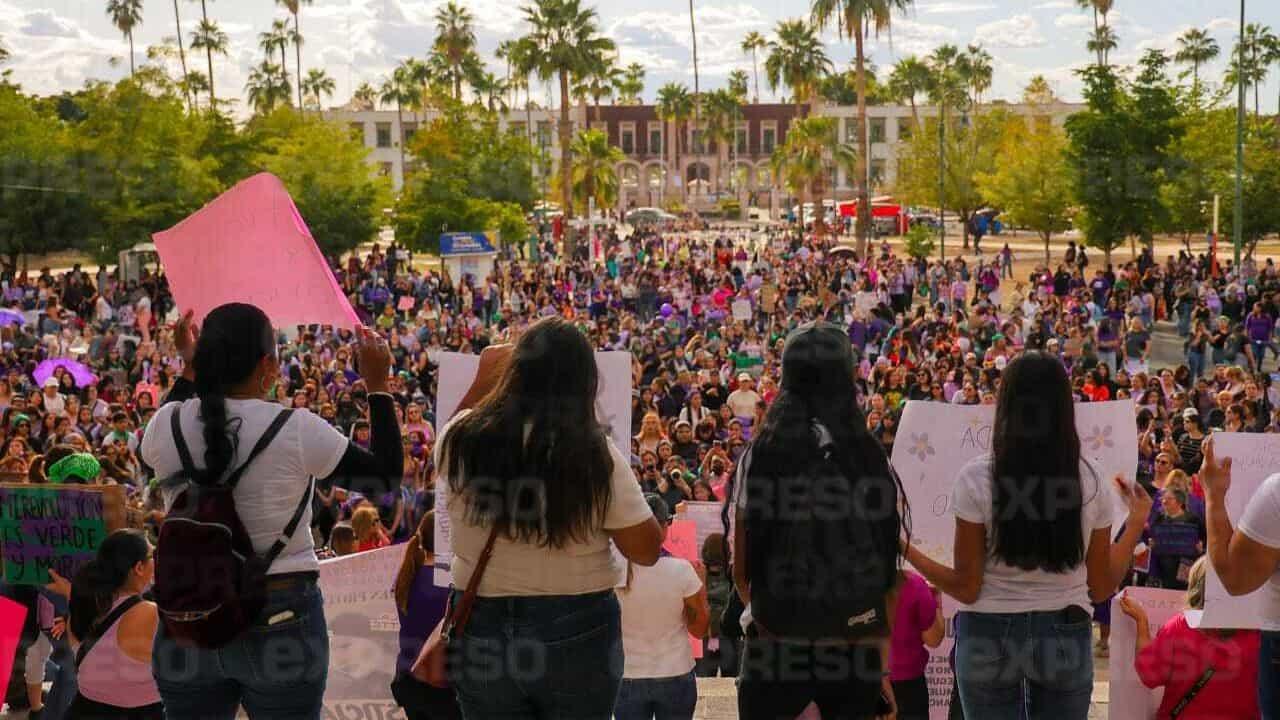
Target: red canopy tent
{"points": [[881, 207]]}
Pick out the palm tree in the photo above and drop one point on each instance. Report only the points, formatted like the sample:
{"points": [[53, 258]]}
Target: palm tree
{"points": [[801, 161], [503, 53], [1038, 92], [317, 83], [489, 89], [366, 96], [753, 43], [631, 85], [594, 174], [975, 68], [277, 38], [400, 89], [568, 41], [420, 74], [1102, 41], [674, 106], [194, 83], [1196, 47], [599, 82], [4, 53], [182, 55], [947, 90], [1259, 43], [798, 60], [126, 15], [723, 107], [910, 77], [738, 84], [293, 6], [697, 91], [1100, 8], [456, 43], [855, 19], [267, 87], [210, 38]]}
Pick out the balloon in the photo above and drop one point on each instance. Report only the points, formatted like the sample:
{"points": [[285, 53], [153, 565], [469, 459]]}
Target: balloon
{"points": [[667, 310]]}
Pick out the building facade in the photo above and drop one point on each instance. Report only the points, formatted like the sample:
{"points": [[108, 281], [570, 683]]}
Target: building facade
{"points": [[662, 164]]}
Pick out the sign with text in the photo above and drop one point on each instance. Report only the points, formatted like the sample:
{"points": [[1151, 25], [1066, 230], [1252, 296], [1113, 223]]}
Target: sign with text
{"points": [[364, 633], [1129, 698], [54, 526], [705, 517], [1254, 458], [458, 370]]}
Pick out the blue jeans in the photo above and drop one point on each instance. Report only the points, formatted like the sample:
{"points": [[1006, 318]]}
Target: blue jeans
{"points": [[1195, 363], [545, 658], [671, 698], [1269, 676], [277, 672], [1021, 666]]}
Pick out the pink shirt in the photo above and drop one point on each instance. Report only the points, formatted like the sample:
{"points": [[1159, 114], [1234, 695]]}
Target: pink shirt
{"points": [[917, 609], [111, 677], [1178, 655]]}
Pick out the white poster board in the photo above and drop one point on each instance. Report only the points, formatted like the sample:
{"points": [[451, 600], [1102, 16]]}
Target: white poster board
{"points": [[741, 310], [935, 440], [1129, 699], [364, 633], [457, 371], [705, 517], [1254, 458]]}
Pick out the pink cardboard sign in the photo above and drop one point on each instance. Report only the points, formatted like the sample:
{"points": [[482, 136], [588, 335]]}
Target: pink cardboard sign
{"points": [[12, 617], [250, 245], [682, 540], [406, 303]]}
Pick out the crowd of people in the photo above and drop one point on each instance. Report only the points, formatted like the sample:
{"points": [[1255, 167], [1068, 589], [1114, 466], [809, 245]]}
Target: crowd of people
{"points": [[706, 315]]}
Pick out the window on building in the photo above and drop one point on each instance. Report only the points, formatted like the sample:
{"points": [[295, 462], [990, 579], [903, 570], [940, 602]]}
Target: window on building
{"points": [[357, 132], [768, 139], [697, 142], [628, 138], [544, 132], [516, 128], [851, 130], [904, 128], [877, 130], [740, 140], [655, 141], [878, 166], [409, 130], [384, 135]]}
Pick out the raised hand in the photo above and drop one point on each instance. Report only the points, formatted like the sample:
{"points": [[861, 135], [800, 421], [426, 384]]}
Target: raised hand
{"points": [[1215, 475]]}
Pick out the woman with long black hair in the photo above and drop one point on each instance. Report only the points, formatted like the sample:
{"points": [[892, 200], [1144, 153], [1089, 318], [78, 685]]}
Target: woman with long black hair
{"points": [[1033, 549], [278, 667], [816, 555], [532, 475]]}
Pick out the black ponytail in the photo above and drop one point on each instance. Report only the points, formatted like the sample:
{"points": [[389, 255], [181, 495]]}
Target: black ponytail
{"points": [[94, 587], [233, 340]]}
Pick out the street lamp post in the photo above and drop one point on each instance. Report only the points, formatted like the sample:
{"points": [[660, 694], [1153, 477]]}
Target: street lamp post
{"points": [[1238, 225]]}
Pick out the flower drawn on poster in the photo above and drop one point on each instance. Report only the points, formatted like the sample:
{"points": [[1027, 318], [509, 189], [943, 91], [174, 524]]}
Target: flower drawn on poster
{"points": [[1099, 438], [921, 447]]}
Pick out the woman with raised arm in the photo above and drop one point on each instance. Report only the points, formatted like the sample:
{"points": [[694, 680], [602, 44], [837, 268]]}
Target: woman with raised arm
{"points": [[1033, 550], [222, 411]]}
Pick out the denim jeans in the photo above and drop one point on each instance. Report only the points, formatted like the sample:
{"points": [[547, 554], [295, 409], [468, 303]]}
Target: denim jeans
{"points": [[545, 658], [1269, 676], [277, 672], [671, 698], [1021, 666], [1195, 363]]}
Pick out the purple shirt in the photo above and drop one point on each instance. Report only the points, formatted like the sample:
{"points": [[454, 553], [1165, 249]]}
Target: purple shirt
{"points": [[426, 608], [1259, 327], [916, 611]]}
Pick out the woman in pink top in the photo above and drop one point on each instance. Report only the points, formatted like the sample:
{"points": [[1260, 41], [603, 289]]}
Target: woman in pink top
{"points": [[114, 629], [917, 626], [1180, 657]]}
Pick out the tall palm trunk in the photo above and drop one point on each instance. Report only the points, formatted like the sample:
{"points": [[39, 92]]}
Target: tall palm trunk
{"points": [[297, 56], [131, 68], [182, 57], [208, 53], [755, 71], [284, 74], [566, 154], [864, 212], [400, 140], [457, 84], [915, 113]]}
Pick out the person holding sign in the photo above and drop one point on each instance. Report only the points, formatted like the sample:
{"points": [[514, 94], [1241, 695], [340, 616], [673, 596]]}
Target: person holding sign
{"points": [[1033, 550], [662, 606], [1247, 558], [278, 667], [536, 484]]}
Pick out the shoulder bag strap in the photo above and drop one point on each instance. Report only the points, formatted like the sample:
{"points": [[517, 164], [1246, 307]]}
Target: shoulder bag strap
{"points": [[281, 542], [101, 628], [1193, 692], [457, 621], [272, 430], [179, 442]]}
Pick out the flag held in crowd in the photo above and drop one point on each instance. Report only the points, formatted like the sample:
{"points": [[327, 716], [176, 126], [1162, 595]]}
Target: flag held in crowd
{"points": [[80, 372], [250, 245]]}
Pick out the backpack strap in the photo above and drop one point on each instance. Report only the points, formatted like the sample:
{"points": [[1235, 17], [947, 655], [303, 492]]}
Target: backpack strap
{"points": [[101, 627], [281, 542], [272, 430], [179, 442]]}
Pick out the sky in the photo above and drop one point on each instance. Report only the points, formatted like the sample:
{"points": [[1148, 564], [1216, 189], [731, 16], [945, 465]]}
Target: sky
{"points": [[59, 44]]}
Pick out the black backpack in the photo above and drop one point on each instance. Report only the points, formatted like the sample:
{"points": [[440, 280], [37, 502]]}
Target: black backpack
{"points": [[210, 584], [817, 571]]}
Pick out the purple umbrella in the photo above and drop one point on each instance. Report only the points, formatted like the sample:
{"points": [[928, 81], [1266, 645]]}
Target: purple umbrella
{"points": [[11, 317], [79, 371]]}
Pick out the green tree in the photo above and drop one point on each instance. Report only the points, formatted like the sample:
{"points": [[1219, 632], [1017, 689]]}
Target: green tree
{"points": [[455, 45], [366, 96], [753, 43], [599, 81], [267, 87], [4, 53], [277, 39], [568, 41], [1039, 92], [1100, 8], [1205, 154], [910, 78], [401, 90], [594, 169], [675, 106], [126, 15], [1261, 185], [1154, 127], [327, 173], [182, 55], [294, 7], [723, 109], [490, 91], [213, 41], [1031, 183], [630, 85], [798, 60], [1102, 41], [976, 70], [1098, 154], [316, 84], [1257, 42], [1196, 47], [737, 85], [804, 160], [856, 20]]}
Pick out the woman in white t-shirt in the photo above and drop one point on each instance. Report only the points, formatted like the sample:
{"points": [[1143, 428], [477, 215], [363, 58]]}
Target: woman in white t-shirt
{"points": [[532, 467], [1033, 549], [661, 607]]}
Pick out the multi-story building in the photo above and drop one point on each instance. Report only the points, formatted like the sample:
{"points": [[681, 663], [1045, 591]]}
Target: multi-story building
{"points": [[660, 167]]}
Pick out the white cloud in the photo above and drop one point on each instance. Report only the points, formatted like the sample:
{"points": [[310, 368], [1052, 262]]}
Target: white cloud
{"points": [[910, 37], [1019, 31], [1055, 5], [942, 7], [663, 41], [1073, 20], [46, 23]]}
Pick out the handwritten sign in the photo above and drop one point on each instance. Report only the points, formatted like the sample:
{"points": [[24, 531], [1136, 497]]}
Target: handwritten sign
{"points": [[1129, 698], [360, 611], [250, 245], [54, 526], [458, 370], [742, 310], [405, 303], [682, 540], [705, 516], [1254, 458]]}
